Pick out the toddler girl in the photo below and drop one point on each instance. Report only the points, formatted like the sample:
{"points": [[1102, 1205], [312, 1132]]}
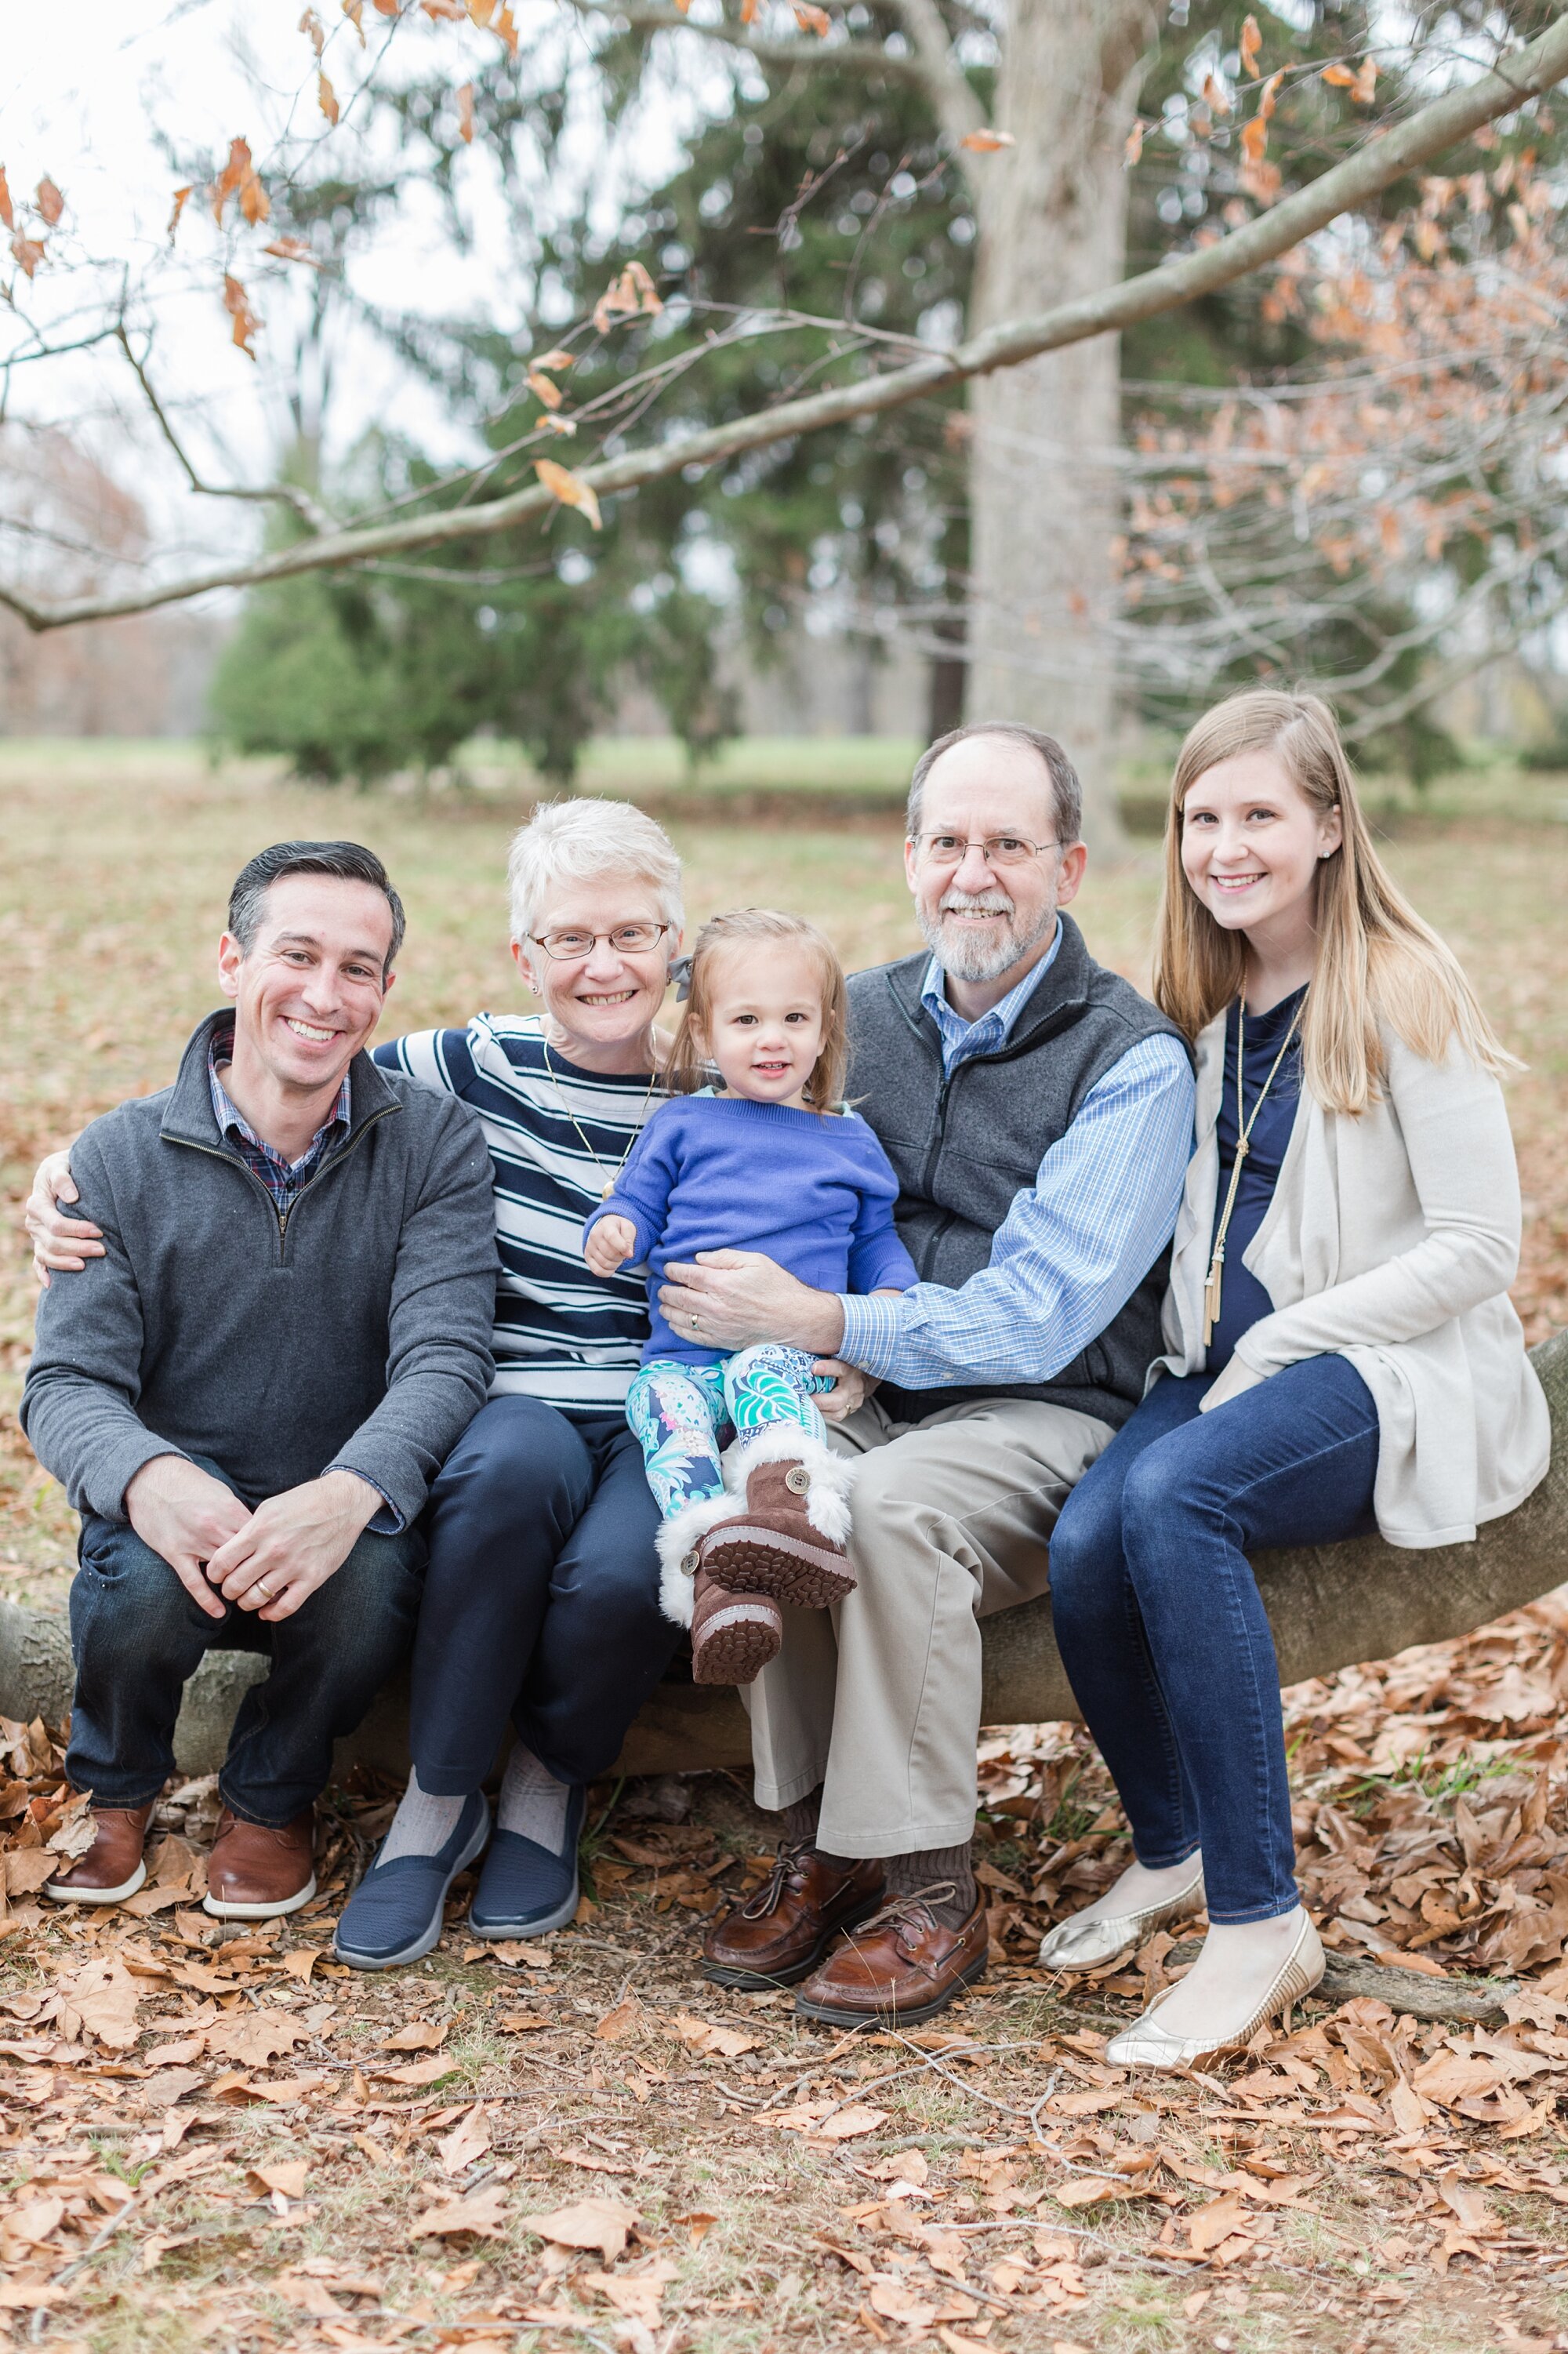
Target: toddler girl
{"points": [[769, 1160]]}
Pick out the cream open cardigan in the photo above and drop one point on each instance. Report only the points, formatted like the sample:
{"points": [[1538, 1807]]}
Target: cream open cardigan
{"points": [[1390, 1241]]}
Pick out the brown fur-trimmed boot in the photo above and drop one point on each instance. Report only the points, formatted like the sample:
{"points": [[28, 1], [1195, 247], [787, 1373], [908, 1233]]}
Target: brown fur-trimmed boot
{"points": [[788, 1526], [734, 1636]]}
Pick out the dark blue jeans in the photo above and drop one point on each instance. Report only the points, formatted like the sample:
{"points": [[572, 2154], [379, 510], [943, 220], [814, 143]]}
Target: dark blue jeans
{"points": [[542, 1596], [137, 1635], [1160, 1625]]}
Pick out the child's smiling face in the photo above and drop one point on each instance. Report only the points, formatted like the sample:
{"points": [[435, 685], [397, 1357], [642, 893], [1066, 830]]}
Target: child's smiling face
{"points": [[765, 1023]]}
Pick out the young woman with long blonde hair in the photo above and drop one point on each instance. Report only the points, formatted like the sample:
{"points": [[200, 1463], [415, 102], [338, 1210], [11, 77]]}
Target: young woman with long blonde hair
{"points": [[1341, 1353]]}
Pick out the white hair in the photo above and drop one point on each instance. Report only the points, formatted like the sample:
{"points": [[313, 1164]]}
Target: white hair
{"points": [[568, 842]]}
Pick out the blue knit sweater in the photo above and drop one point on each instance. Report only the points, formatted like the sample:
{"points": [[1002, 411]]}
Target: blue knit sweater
{"points": [[814, 1191]]}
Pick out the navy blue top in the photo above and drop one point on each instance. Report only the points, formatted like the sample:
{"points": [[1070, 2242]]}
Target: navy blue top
{"points": [[1243, 1299]]}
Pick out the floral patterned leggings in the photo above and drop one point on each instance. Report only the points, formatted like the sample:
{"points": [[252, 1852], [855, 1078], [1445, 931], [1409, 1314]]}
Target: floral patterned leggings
{"points": [[677, 1413]]}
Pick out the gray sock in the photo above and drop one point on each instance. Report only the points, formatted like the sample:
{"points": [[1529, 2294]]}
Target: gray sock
{"points": [[936, 1867], [533, 1803], [801, 1822], [422, 1823]]}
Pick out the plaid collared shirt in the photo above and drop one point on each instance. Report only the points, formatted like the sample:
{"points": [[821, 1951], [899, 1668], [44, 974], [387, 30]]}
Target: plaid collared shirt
{"points": [[285, 1179]]}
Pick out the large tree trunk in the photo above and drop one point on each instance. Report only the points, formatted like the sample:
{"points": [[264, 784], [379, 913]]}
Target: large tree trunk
{"points": [[1045, 490]]}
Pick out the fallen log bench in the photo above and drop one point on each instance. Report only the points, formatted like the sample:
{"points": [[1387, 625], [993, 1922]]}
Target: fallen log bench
{"points": [[1330, 1607]]}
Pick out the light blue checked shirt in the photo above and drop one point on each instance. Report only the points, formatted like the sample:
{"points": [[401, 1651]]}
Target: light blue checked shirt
{"points": [[1071, 1252]]}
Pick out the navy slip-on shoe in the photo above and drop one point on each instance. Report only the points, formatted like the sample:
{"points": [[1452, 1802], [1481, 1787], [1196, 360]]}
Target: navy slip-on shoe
{"points": [[524, 1890], [394, 1913]]}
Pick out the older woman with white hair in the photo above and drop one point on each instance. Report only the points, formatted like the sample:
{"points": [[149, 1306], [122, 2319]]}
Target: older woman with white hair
{"points": [[541, 1595], [541, 1600]]}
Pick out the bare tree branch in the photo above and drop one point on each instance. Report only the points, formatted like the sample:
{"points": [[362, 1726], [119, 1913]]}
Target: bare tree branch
{"points": [[1435, 684], [1387, 157], [274, 494], [958, 106], [858, 57]]}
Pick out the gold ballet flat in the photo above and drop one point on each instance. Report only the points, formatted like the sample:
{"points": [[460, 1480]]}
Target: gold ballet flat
{"points": [[1080, 1944], [1147, 2044]]}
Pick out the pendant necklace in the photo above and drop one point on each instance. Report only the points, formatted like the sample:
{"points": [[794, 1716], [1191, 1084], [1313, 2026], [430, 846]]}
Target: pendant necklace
{"points": [[1245, 1127], [593, 1156]]}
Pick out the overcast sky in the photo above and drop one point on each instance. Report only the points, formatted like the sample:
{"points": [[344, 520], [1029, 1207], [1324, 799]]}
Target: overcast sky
{"points": [[94, 97]]}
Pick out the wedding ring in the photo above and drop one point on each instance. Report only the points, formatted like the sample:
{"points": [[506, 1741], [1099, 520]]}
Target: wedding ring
{"points": [[264, 1589]]}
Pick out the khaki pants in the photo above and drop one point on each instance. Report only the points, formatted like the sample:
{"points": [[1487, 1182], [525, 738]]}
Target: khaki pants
{"points": [[879, 1700]]}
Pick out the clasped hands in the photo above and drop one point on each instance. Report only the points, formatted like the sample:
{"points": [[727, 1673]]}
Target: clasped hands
{"points": [[270, 1560]]}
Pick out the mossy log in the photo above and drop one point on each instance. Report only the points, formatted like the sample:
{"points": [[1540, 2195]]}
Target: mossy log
{"points": [[1329, 1605]]}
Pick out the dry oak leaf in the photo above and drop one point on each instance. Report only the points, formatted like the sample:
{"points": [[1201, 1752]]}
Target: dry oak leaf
{"points": [[1455, 2076], [255, 2037], [1132, 152], [702, 2035], [27, 1867], [987, 143], [1092, 2190], [424, 2035], [8, 210], [237, 302], [481, 2212], [571, 490], [625, 297], [36, 2222], [600, 2224], [637, 2295], [327, 98], [355, 11], [620, 2021], [50, 201], [286, 2176], [293, 249], [1208, 2226], [896, 2303], [543, 389], [465, 113], [1250, 45], [468, 2139], [422, 2072], [28, 252], [845, 2124], [101, 2002], [812, 19]]}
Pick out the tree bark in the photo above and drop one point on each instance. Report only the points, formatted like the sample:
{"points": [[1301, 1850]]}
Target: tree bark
{"points": [[1044, 488]]}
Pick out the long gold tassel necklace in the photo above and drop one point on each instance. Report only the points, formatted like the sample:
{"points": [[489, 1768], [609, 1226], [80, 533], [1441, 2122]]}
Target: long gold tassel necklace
{"points": [[1245, 1127]]}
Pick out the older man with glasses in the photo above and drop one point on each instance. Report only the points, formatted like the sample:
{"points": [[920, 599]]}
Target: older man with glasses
{"points": [[1039, 1114]]}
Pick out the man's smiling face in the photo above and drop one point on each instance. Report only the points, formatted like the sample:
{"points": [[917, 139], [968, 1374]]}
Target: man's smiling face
{"points": [[309, 991]]}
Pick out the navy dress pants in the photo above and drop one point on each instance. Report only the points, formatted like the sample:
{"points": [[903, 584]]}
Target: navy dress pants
{"points": [[1160, 1625], [541, 1597]]}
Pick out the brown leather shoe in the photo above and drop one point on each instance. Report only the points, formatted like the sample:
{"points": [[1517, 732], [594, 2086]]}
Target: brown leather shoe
{"points": [[113, 1868], [734, 1636], [904, 1966], [787, 1537], [779, 1934], [255, 1873]]}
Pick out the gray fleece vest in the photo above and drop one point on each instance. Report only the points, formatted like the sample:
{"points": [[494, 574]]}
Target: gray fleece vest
{"points": [[962, 1147]]}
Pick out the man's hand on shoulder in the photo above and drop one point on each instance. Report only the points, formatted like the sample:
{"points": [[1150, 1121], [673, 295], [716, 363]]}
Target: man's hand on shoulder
{"points": [[188, 1516], [293, 1543]]}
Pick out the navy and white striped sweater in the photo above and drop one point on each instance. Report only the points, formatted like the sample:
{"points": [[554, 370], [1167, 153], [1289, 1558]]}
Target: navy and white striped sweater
{"points": [[561, 1334]]}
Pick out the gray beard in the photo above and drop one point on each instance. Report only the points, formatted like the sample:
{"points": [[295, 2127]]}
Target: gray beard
{"points": [[974, 960]]}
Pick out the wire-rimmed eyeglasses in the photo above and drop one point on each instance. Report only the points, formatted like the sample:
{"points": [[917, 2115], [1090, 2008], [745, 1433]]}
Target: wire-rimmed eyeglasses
{"points": [[564, 945], [938, 848]]}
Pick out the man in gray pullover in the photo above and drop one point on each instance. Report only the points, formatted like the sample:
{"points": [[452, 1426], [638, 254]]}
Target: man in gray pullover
{"points": [[246, 1396]]}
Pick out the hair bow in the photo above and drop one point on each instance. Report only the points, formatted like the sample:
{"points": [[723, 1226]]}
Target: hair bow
{"points": [[681, 974]]}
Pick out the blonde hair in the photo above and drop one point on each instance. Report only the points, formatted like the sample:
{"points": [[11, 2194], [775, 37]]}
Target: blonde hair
{"points": [[580, 841], [687, 1070], [1376, 960]]}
